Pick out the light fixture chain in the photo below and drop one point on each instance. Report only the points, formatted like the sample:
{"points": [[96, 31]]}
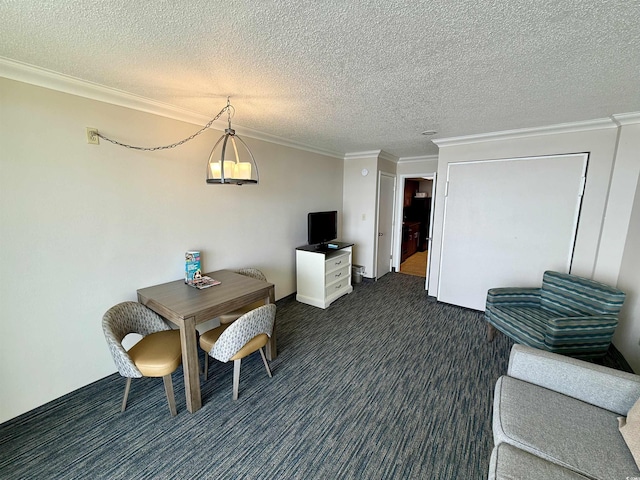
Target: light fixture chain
{"points": [[173, 145]]}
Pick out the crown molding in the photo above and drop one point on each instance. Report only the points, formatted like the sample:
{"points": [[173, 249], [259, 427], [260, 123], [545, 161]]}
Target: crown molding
{"points": [[527, 132], [387, 156], [60, 82], [362, 155], [41, 77], [377, 154], [419, 158], [266, 137], [626, 118]]}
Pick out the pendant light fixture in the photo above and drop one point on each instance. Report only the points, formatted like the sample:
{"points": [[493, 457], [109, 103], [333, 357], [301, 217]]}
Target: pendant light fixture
{"points": [[231, 161]]}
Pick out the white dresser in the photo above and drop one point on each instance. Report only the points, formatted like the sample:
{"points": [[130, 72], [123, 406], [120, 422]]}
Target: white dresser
{"points": [[323, 275]]}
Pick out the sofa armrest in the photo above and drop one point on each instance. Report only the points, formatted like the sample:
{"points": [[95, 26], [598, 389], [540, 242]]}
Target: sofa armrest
{"points": [[576, 330], [601, 386], [514, 297]]}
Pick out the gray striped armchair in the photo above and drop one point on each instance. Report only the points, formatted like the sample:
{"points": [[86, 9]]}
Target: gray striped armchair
{"points": [[570, 315]]}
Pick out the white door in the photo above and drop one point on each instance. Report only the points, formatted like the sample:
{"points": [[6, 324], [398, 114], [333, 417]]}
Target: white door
{"points": [[386, 198], [430, 238], [506, 222]]}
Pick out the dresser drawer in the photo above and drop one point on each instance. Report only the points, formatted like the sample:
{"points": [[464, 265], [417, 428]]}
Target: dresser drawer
{"points": [[336, 275], [335, 262], [337, 287]]}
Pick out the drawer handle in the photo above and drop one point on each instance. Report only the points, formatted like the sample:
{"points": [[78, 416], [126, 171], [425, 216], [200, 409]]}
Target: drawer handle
{"points": [[338, 263], [338, 287], [338, 274]]}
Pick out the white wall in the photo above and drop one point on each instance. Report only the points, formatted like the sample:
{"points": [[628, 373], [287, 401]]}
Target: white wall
{"points": [[623, 184], [627, 336], [360, 193], [612, 180], [359, 209], [417, 167], [83, 226]]}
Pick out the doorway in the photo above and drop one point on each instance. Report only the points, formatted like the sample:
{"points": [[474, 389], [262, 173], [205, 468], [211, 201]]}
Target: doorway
{"points": [[415, 231]]}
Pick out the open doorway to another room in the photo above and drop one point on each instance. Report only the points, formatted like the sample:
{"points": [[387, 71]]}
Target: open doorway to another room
{"points": [[416, 226]]}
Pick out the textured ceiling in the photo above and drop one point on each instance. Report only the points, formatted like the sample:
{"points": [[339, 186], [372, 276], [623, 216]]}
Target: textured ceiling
{"points": [[348, 76]]}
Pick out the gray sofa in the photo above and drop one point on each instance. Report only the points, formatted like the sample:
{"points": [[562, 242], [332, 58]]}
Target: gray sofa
{"points": [[555, 417]]}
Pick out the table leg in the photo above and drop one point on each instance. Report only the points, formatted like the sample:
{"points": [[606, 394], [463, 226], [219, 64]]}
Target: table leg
{"points": [[271, 347], [190, 365]]}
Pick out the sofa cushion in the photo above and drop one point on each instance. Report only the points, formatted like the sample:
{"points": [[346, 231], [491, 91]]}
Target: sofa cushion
{"points": [[526, 325], [630, 430], [598, 385], [508, 463], [570, 296], [574, 434]]}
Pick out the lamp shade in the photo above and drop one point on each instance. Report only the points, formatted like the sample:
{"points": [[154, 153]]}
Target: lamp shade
{"points": [[231, 161]]}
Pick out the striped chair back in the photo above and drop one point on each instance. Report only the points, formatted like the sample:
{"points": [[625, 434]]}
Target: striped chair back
{"points": [[570, 296]]}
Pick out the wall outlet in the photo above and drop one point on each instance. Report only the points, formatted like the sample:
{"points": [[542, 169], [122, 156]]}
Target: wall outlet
{"points": [[92, 136]]}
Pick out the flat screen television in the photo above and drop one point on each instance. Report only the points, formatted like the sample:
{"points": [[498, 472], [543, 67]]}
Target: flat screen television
{"points": [[322, 227]]}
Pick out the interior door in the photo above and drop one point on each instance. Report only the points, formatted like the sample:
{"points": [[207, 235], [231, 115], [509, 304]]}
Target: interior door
{"points": [[430, 237], [506, 222], [386, 199]]}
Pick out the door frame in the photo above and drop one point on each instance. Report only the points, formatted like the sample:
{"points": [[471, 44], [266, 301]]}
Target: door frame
{"points": [[393, 221], [397, 234]]}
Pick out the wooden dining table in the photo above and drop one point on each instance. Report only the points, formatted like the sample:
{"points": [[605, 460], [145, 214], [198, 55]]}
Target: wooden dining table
{"points": [[186, 306]]}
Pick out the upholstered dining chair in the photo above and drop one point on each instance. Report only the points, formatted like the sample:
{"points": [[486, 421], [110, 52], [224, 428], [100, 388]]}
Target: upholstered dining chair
{"points": [[235, 341], [157, 354], [568, 314], [233, 316]]}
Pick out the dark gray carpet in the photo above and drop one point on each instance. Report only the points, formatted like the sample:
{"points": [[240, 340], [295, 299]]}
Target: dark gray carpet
{"points": [[384, 384]]}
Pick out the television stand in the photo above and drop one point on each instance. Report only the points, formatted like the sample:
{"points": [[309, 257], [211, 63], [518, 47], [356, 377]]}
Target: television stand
{"points": [[323, 274]]}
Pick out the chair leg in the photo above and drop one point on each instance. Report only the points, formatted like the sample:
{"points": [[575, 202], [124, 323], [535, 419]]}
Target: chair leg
{"points": [[206, 365], [236, 377], [266, 365], [491, 332], [126, 394], [168, 388]]}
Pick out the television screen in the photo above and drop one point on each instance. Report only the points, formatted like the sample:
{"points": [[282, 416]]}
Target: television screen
{"points": [[322, 227]]}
